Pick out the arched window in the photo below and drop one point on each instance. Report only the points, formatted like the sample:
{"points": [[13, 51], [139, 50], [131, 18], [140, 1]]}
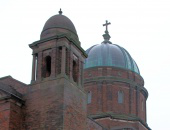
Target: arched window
{"points": [[120, 97], [47, 67], [89, 96]]}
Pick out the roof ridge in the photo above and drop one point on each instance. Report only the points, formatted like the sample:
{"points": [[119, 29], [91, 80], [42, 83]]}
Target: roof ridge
{"points": [[9, 76]]}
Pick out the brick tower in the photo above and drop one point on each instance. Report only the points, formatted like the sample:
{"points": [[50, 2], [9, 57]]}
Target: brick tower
{"points": [[116, 93], [55, 98]]}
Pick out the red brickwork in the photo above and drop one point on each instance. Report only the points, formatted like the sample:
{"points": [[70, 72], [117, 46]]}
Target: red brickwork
{"points": [[44, 106], [106, 82], [10, 115], [58, 60], [16, 116], [142, 108], [4, 115], [75, 108]]}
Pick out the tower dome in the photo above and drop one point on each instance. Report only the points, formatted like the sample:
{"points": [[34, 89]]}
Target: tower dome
{"points": [[58, 24]]}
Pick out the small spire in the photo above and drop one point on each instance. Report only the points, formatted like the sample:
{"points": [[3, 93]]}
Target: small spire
{"points": [[106, 36], [60, 12]]}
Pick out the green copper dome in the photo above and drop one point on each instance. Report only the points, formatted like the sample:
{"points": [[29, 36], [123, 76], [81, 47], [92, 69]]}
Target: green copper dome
{"points": [[107, 54]]}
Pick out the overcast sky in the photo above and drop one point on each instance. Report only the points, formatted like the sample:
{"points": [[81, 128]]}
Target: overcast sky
{"points": [[142, 27]]}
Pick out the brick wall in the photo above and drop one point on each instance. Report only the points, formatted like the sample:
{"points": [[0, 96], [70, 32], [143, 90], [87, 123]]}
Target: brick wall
{"points": [[44, 106], [55, 104], [74, 108], [4, 115], [16, 116]]}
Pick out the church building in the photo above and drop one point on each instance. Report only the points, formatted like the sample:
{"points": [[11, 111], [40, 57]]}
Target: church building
{"points": [[73, 89]]}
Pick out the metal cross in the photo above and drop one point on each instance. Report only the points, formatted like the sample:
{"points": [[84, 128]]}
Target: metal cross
{"points": [[106, 24]]}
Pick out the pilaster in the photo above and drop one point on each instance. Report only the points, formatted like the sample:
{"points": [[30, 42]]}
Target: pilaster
{"points": [[137, 101], [63, 60], [53, 63], [33, 68], [39, 66]]}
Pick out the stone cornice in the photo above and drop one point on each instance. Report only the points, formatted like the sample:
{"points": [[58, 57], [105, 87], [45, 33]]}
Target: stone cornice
{"points": [[111, 79], [76, 43], [119, 117], [116, 68], [60, 76]]}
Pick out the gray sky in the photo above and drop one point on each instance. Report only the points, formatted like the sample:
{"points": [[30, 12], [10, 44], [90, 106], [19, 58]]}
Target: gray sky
{"points": [[142, 27]]}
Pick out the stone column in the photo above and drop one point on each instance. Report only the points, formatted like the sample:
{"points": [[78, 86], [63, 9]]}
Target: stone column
{"points": [[104, 103], [137, 101], [79, 72], [82, 74], [99, 95], [63, 60], [71, 65], [53, 63], [145, 111], [33, 68], [130, 98], [39, 66]]}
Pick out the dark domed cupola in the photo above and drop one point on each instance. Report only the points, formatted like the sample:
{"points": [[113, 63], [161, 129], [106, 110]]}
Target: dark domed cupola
{"points": [[59, 25]]}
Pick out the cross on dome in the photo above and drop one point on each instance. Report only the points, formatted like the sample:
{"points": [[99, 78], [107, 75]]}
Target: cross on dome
{"points": [[106, 36], [106, 24]]}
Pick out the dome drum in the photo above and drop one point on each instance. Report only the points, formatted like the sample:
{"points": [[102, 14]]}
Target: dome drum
{"points": [[113, 74]]}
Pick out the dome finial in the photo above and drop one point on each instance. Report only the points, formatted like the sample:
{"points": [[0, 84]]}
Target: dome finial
{"points": [[60, 12], [106, 36]]}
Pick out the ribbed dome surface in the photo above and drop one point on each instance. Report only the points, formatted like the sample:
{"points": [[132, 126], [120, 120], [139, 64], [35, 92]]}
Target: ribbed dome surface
{"points": [[59, 21], [107, 54]]}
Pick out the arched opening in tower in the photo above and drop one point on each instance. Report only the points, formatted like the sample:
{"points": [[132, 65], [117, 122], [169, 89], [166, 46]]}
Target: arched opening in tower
{"points": [[47, 67], [75, 68]]}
